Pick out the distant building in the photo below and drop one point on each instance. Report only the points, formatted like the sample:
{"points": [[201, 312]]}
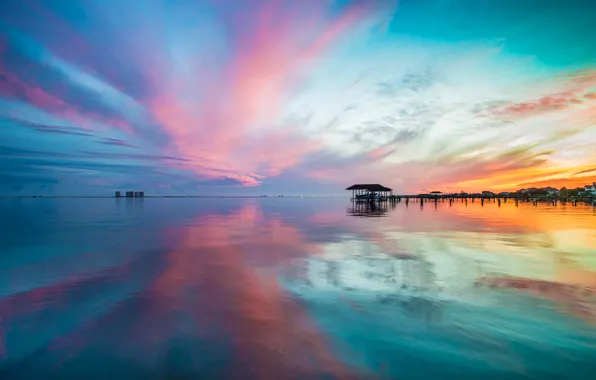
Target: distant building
{"points": [[130, 194], [590, 188], [534, 191], [551, 190], [139, 194], [118, 194]]}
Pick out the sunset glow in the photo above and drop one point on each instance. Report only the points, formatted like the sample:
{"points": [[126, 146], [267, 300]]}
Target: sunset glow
{"points": [[295, 97]]}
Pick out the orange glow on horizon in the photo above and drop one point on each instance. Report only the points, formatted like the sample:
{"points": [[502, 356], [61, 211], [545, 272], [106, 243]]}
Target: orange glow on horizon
{"points": [[526, 178]]}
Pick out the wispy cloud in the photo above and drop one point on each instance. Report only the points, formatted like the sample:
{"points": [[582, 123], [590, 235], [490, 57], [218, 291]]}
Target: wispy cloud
{"points": [[327, 92], [585, 171], [116, 142]]}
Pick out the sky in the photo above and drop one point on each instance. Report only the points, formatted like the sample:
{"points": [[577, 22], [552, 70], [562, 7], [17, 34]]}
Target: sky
{"points": [[295, 97]]}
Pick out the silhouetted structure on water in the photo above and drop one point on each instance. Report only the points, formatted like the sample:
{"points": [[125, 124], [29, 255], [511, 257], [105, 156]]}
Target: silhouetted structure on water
{"points": [[370, 191], [130, 194]]}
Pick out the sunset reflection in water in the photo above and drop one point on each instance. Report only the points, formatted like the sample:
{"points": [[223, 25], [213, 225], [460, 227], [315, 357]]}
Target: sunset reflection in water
{"points": [[295, 289]]}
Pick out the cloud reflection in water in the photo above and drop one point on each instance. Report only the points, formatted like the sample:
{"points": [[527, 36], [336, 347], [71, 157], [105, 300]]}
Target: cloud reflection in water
{"points": [[295, 288]]}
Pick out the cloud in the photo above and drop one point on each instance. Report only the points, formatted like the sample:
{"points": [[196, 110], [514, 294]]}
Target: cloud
{"points": [[116, 142], [268, 61], [34, 75], [265, 93], [464, 112], [585, 171], [45, 128]]}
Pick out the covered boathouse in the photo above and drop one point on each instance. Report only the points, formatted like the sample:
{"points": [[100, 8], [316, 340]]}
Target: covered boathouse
{"points": [[370, 191]]}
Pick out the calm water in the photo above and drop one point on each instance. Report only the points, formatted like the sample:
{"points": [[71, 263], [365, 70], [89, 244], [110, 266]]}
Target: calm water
{"points": [[295, 289]]}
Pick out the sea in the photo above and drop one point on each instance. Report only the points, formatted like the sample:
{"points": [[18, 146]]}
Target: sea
{"points": [[307, 288]]}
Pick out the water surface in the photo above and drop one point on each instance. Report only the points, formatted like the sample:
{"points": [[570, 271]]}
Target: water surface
{"points": [[295, 289]]}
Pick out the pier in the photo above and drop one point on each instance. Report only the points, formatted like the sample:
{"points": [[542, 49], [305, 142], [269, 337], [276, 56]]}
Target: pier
{"points": [[366, 193], [369, 192]]}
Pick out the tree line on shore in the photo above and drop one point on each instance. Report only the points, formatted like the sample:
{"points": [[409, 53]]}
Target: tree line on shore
{"points": [[588, 191]]}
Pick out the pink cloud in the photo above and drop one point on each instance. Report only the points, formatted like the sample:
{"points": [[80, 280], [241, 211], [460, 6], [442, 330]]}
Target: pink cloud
{"points": [[16, 89], [73, 45], [379, 153], [3, 352], [72, 40], [288, 150], [550, 103], [576, 90], [12, 87], [269, 62]]}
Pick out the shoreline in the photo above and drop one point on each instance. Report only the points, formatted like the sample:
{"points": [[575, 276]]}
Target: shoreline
{"points": [[165, 196]]}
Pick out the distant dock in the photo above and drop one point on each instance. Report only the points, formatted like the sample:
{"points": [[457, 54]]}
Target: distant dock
{"points": [[379, 193]]}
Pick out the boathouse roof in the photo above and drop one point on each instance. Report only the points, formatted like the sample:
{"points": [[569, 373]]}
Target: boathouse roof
{"points": [[369, 187]]}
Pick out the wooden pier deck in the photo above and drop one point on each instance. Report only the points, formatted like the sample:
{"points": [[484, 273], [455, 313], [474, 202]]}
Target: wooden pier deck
{"points": [[425, 198], [378, 193]]}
